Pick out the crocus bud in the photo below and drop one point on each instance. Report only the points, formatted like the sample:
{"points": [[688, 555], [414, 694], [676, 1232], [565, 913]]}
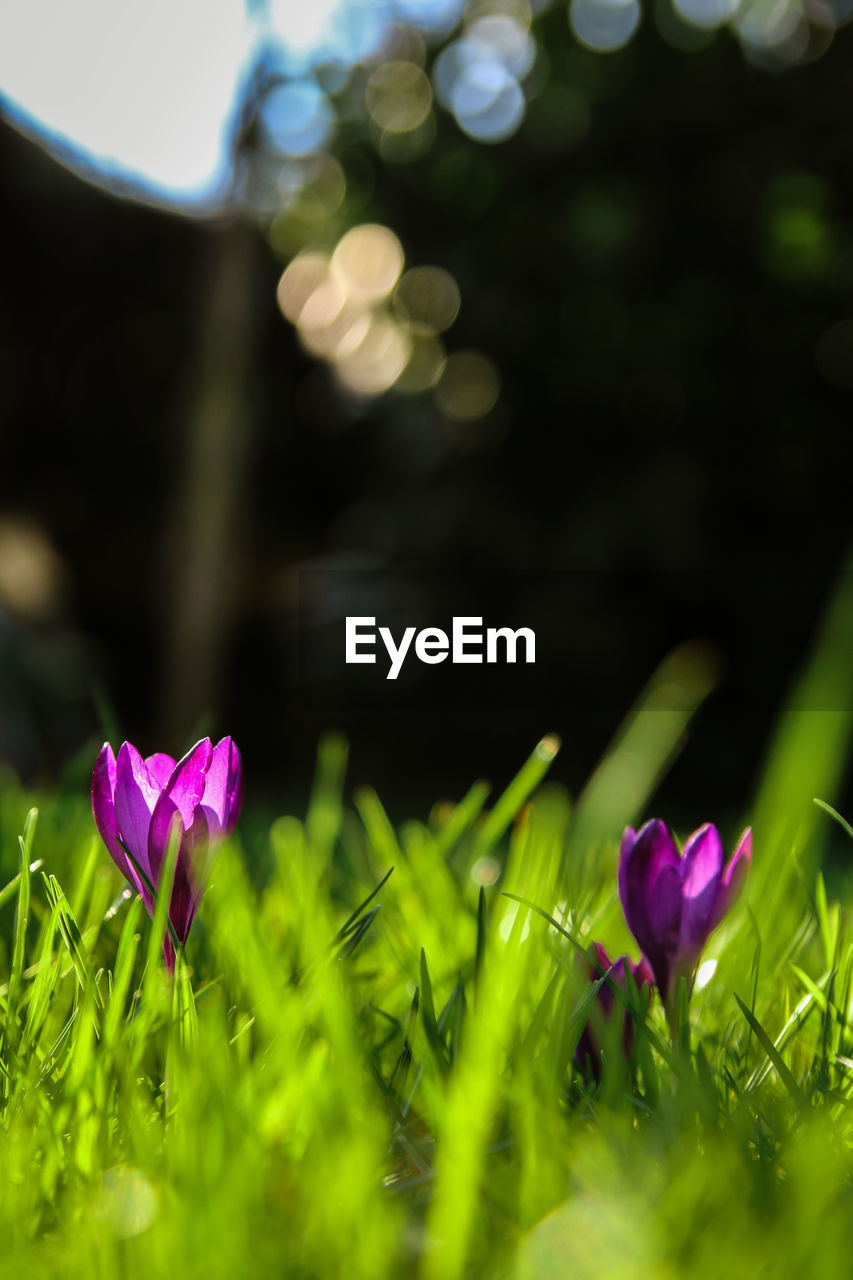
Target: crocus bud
{"points": [[608, 1005], [672, 901], [136, 802]]}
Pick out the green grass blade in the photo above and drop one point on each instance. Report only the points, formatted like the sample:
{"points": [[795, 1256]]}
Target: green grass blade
{"points": [[22, 917], [772, 1052], [523, 784]]}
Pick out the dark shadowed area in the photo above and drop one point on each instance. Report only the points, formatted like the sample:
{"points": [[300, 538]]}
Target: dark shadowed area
{"points": [[640, 436]]}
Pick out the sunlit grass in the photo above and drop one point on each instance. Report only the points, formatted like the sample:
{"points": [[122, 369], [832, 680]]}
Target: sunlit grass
{"points": [[362, 1071]]}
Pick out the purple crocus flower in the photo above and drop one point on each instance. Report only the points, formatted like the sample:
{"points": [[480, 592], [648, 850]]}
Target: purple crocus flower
{"points": [[589, 1044], [672, 901], [135, 802]]}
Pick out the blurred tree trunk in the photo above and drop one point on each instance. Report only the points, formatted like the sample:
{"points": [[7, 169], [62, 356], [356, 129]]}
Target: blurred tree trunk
{"points": [[205, 546]]}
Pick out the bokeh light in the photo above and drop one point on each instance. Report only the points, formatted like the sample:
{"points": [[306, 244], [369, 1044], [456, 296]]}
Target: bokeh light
{"points": [[305, 273], [798, 241], [425, 363], [772, 31], [829, 14], [435, 16], [126, 1202], [32, 578], [309, 200], [507, 39], [323, 31], [469, 386], [604, 25], [428, 296], [706, 13], [372, 356], [378, 326], [297, 118], [368, 261], [474, 82], [398, 96]]}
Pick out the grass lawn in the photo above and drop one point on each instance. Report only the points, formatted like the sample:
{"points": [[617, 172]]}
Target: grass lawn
{"points": [[367, 1072]]}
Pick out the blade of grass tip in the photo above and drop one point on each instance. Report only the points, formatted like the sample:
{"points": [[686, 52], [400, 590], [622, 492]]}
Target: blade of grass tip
{"points": [[647, 741], [325, 807], [401, 1067], [828, 931], [511, 800], [357, 933], [72, 938], [481, 934], [22, 917], [784, 1073], [9, 890], [378, 826], [45, 980], [813, 987], [29, 833], [428, 1017], [833, 813], [462, 818], [351, 920]]}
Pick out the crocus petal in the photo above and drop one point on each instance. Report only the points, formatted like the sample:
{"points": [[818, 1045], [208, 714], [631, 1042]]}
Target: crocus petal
{"points": [[733, 877], [103, 805], [136, 794], [160, 767], [650, 886], [190, 876], [223, 791], [702, 870], [629, 839], [234, 800], [179, 800], [185, 786], [664, 905]]}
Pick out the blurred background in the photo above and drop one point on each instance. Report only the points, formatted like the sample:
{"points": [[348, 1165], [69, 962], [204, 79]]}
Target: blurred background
{"points": [[396, 291]]}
